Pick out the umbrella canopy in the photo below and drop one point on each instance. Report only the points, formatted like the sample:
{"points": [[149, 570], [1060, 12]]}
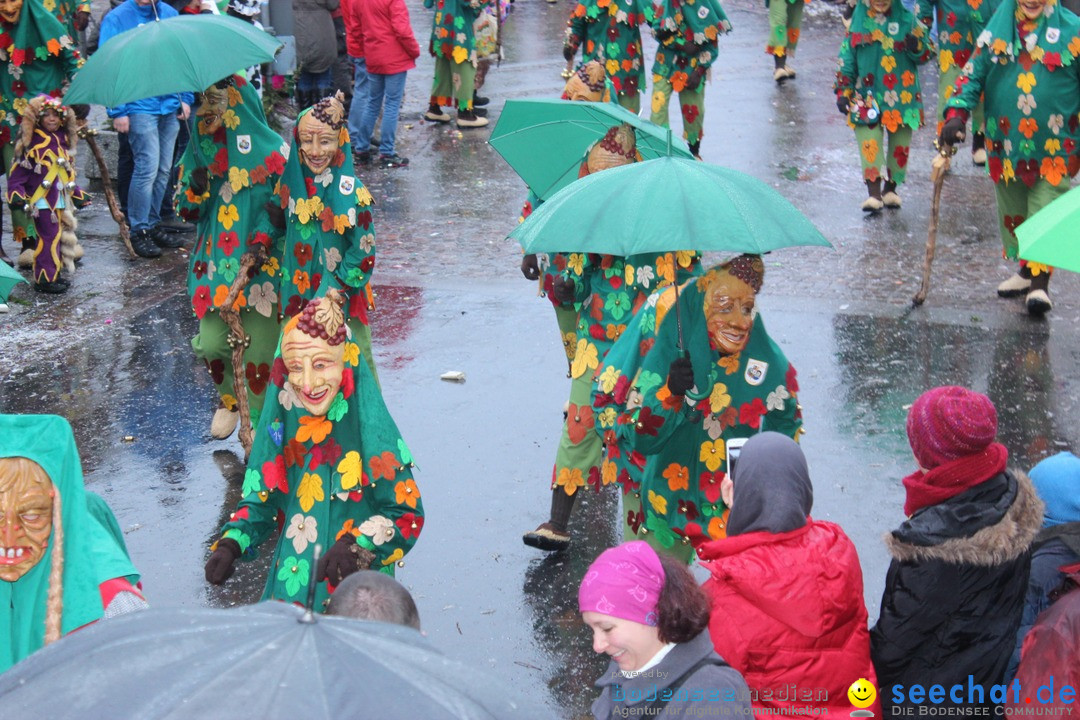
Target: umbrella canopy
{"points": [[666, 204], [270, 661], [1051, 236], [545, 140], [186, 53], [9, 278]]}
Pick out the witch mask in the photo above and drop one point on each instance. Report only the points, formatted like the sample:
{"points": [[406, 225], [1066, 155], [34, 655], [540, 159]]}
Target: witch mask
{"points": [[26, 516], [313, 350]]}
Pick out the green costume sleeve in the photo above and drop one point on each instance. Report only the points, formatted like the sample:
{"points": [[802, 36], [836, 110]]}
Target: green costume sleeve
{"points": [[969, 86], [577, 29], [355, 269], [848, 69]]}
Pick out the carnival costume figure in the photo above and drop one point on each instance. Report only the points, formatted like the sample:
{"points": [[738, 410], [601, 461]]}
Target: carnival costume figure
{"points": [[959, 23], [610, 32], [324, 222], [785, 25], [877, 89], [41, 183], [687, 31], [453, 45], [227, 176], [70, 567], [1025, 68], [37, 57], [605, 290], [669, 398], [328, 467]]}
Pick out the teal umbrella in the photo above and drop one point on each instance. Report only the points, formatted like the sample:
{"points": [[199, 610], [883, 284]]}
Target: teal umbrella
{"points": [[666, 204], [178, 54], [9, 278], [544, 141], [1051, 236]]}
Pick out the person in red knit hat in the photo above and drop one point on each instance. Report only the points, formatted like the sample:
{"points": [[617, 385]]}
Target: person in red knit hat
{"points": [[955, 588]]}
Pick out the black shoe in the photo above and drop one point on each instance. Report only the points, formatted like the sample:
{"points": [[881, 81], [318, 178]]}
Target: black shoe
{"points": [[480, 112], [176, 225], [143, 245], [56, 287], [165, 240], [362, 158], [479, 100], [393, 161]]}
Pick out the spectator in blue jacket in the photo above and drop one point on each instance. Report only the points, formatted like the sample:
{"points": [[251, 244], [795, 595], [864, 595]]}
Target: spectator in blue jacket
{"points": [[151, 125]]}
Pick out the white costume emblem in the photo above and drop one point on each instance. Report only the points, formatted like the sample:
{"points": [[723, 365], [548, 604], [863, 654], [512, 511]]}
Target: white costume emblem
{"points": [[243, 144], [347, 184], [1052, 35], [703, 12], [755, 372], [894, 27]]}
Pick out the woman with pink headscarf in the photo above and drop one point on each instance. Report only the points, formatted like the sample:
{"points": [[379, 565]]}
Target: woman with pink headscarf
{"points": [[648, 614]]}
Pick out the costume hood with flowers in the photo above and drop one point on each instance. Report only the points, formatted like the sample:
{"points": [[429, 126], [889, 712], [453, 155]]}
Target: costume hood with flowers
{"points": [[608, 31], [244, 159], [672, 452], [696, 25], [1029, 79], [36, 57], [877, 72], [329, 231], [87, 557], [319, 477], [959, 24]]}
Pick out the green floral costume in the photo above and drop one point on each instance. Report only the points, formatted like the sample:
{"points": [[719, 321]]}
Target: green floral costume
{"points": [[785, 21], [37, 57], [1030, 84], [244, 159], [453, 45], [690, 29], [329, 237], [880, 77], [318, 478], [670, 452], [608, 31], [65, 11]]}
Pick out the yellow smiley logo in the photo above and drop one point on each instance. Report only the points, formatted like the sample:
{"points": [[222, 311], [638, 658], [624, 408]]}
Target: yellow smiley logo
{"points": [[862, 693]]}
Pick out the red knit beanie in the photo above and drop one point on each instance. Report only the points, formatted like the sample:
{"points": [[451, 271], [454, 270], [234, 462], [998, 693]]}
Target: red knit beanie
{"points": [[948, 423]]}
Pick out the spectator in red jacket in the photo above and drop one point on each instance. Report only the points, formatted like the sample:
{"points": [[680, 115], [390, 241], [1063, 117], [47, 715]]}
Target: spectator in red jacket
{"points": [[390, 51], [354, 47], [786, 590]]}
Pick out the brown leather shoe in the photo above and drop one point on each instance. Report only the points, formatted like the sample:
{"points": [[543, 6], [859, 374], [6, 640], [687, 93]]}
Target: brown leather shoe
{"points": [[546, 537]]}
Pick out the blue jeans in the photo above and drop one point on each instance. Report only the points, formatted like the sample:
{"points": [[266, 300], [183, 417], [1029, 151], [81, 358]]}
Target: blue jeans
{"points": [[393, 87], [320, 81], [152, 139], [359, 99]]}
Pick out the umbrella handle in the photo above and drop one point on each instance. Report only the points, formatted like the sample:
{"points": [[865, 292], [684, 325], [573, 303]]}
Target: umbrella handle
{"points": [[309, 614]]}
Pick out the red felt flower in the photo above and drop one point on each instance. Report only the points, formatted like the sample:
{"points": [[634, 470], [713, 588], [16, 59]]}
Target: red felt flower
{"points": [[217, 370], [626, 482], [325, 453], [364, 219], [901, 155], [278, 373], [634, 520], [790, 379], [220, 166], [303, 253], [688, 509], [348, 383], [993, 166], [597, 332], [367, 263], [228, 242], [649, 424], [199, 269], [274, 474], [410, 525], [690, 113], [200, 301], [750, 413], [275, 163], [889, 80], [257, 377], [709, 482], [294, 453], [594, 478], [309, 185]]}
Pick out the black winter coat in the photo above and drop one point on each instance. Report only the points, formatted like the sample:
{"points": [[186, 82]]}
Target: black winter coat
{"points": [[955, 590]]}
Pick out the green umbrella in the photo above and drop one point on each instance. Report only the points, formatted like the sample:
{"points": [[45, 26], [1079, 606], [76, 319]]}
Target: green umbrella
{"points": [[545, 140], [178, 54], [1050, 236], [666, 204], [9, 278]]}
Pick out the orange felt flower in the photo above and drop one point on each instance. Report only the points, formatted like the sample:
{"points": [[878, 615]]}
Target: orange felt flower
{"points": [[891, 119], [579, 422], [677, 476], [678, 81], [384, 465], [1027, 126], [406, 493], [313, 428], [1053, 169]]}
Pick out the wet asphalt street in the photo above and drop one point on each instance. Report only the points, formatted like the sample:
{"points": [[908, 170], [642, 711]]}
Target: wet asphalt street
{"points": [[113, 356]]}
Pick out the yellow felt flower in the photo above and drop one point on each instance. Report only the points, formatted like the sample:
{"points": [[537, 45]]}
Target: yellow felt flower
{"points": [[363, 197], [658, 502], [460, 55], [628, 274], [310, 490], [341, 224], [234, 96], [351, 468], [271, 267], [608, 378], [712, 454], [1052, 146], [607, 417], [230, 119], [1025, 81], [888, 63], [585, 359], [1037, 268], [685, 258], [238, 178], [570, 479], [227, 215], [612, 67], [999, 46], [609, 472], [719, 398], [1007, 171], [945, 60], [576, 262], [352, 354], [657, 101]]}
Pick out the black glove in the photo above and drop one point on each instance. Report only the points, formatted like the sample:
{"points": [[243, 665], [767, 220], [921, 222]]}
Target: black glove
{"points": [[81, 111], [952, 132], [680, 376], [200, 180], [563, 289], [695, 78], [82, 19], [662, 36], [275, 214], [911, 43], [221, 564], [343, 559], [843, 104], [530, 268], [568, 53]]}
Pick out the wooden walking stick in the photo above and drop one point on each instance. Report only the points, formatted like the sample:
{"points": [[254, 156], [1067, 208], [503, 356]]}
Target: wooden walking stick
{"points": [[239, 342], [938, 168], [89, 135]]}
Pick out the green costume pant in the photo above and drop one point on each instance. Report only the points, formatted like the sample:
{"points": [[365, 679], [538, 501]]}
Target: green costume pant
{"points": [[692, 104], [630, 101], [785, 19], [21, 226], [453, 80], [632, 504], [211, 346], [576, 462], [1017, 202], [871, 141], [946, 80]]}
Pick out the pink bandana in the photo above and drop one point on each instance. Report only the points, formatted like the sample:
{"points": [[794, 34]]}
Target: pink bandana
{"points": [[624, 582]]}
